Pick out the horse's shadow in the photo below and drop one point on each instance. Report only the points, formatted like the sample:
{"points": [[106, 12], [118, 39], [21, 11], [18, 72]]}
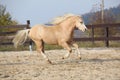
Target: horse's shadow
{"points": [[17, 63], [68, 61], [78, 61]]}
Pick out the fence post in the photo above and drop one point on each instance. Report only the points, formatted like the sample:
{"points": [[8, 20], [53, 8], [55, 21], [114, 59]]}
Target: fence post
{"points": [[92, 35], [107, 36], [30, 42], [28, 24]]}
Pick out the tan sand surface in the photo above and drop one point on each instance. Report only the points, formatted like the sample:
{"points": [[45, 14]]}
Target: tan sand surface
{"points": [[96, 64]]}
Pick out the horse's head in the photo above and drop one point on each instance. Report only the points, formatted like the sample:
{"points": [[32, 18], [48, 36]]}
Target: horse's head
{"points": [[80, 24], [69, 19]]}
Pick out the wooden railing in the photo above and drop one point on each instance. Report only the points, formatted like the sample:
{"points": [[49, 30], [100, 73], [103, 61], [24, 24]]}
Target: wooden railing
{"points": [[8, 35], [106, 36]]}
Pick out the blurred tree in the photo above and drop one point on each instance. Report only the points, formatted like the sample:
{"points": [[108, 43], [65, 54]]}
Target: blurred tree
{"points": [[5, 17], [109, 17]]}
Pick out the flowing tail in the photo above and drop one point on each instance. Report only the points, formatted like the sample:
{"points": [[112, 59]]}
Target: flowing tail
{"points": [[20, 37]]}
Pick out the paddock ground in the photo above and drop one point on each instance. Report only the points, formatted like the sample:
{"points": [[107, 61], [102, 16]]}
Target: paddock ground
{"points": [[96, 64]]}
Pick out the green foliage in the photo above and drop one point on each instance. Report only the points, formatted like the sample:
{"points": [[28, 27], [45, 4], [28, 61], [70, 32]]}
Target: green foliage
{"points": [[5, 17]]}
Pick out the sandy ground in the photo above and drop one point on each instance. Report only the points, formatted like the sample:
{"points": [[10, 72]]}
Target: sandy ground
{"points": [[96, 64]]}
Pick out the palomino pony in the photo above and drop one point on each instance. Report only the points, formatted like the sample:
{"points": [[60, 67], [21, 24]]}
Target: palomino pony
{"points": [[61, 33]]}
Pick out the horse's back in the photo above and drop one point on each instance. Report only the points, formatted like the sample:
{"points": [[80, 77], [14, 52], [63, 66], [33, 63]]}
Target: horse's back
{"points": [[42, 32], [34, 32]]}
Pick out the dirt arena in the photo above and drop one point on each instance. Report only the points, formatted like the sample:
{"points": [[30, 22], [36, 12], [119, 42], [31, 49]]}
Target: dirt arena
{"points": [[96, 64]]}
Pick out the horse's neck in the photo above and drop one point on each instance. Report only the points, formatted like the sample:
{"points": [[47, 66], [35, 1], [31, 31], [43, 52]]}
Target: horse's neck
{"points": [[68, 24], [68, 27]]}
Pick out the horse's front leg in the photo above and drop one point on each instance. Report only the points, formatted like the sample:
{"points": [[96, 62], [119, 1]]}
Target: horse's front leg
{"points": [[77, 48], [66, 46]]}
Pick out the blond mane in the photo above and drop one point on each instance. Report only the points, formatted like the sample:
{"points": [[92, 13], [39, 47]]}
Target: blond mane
{"points": [[60, 19]]}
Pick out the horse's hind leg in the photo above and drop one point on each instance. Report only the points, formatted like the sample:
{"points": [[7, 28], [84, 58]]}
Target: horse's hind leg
{"points": [[40, 49]]}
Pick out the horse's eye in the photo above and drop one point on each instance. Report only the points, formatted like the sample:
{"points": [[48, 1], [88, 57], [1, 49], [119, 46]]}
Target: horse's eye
{"points": [[81, 22]]}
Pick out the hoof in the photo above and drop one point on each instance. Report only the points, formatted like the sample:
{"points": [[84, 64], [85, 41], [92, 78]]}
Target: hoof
{"points": [[49, 61], [63, 58], [80, 58]]}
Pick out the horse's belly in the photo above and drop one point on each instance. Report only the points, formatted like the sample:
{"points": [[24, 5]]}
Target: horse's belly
{"points": [[50, 40]]}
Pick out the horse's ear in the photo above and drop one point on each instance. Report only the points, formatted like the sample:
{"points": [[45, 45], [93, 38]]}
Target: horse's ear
{"points": [[80, 16]]}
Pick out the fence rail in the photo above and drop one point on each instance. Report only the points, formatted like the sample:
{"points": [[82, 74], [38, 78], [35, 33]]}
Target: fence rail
{"points": [[97, 39], [91, 38], [104, 25], [7, 33]]}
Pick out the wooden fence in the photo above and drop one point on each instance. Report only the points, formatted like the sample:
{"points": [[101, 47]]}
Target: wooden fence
{"points": [[9, 34], [106, 36]]}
